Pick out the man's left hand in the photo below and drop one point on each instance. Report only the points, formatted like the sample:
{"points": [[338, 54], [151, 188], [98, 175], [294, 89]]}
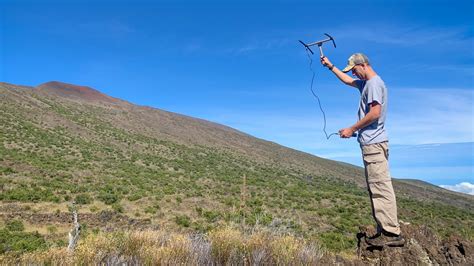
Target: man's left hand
{"points": [[346, 132]]}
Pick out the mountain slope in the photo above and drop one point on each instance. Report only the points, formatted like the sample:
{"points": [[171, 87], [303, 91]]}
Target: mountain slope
{"points": [[153, 168]]}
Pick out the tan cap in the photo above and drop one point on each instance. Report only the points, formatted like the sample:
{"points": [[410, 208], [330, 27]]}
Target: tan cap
{"points": [[355, 59]]}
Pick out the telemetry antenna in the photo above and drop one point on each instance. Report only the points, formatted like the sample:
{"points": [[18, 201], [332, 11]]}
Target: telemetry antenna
{"points": [[319, 44]]}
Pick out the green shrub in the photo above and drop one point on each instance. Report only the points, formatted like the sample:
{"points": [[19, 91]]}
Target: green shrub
{"points": [[52, 229], [135, 196], [151, 209], [183, 220], [212, 216], [27, 194], [117, 207], [107, 197], [83, 199], [15, 226], [20, 241], [199, 210], [6, 170], [336, 241]]}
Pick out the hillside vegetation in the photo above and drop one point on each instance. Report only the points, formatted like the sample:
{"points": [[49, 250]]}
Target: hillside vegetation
{"points": [[128, 167]]}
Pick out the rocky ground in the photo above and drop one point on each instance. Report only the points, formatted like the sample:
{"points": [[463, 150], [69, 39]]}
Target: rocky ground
{"points": [[422, 247], [105, 220]]}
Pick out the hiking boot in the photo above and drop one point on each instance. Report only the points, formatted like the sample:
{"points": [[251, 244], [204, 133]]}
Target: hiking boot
{"points": [[385, 239]]}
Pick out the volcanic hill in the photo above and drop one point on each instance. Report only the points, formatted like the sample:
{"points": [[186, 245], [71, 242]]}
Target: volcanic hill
{"points": [[133, 167]]}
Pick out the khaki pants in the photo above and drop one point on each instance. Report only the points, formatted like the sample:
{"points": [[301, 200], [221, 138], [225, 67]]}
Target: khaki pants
{"points": [[379, 183]]}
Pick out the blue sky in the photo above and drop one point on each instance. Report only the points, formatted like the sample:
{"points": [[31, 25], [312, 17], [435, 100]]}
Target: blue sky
{"points": [[239, 63]]}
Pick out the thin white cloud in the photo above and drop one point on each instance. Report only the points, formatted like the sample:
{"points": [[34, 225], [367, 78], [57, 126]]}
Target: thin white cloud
{"points": [[464, 187], [355, 154], [111, 28], [409, 36], [106, 28], [420, 116], [192, 47], [464, 69], [436, 173], [416, 116], [263, 43], [247, 48]]}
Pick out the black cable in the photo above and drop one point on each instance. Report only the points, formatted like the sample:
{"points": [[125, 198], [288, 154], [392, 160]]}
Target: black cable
{"points": [[316, 96]]}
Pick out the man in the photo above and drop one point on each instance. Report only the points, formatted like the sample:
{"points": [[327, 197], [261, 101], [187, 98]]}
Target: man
{"points": [[373, 140]]}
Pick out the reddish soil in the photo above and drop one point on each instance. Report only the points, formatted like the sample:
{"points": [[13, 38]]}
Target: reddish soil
{"points": [[75, 91]]}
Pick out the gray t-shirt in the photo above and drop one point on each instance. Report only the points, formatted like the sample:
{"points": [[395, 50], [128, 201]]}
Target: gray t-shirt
{"points": [[372, 90]]}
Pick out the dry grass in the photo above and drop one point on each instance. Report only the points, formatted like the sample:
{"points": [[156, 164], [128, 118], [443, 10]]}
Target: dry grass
{"points": [[54, 256], [225, 246]]}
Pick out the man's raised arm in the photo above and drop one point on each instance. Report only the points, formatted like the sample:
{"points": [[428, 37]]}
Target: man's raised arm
{"points": [[346, 79]]}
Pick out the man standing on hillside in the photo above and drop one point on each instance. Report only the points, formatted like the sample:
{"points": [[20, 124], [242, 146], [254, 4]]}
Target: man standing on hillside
{"points": [[373, 141]]}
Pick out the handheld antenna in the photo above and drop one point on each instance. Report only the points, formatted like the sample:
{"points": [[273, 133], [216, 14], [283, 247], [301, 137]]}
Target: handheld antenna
{"points": [[319, 44]]}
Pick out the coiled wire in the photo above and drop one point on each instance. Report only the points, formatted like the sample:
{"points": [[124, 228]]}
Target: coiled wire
{"points": [[317, 97]]}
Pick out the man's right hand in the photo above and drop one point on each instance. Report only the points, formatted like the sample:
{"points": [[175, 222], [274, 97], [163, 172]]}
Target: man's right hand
{"points": [[346, 79], [325, 61]]}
